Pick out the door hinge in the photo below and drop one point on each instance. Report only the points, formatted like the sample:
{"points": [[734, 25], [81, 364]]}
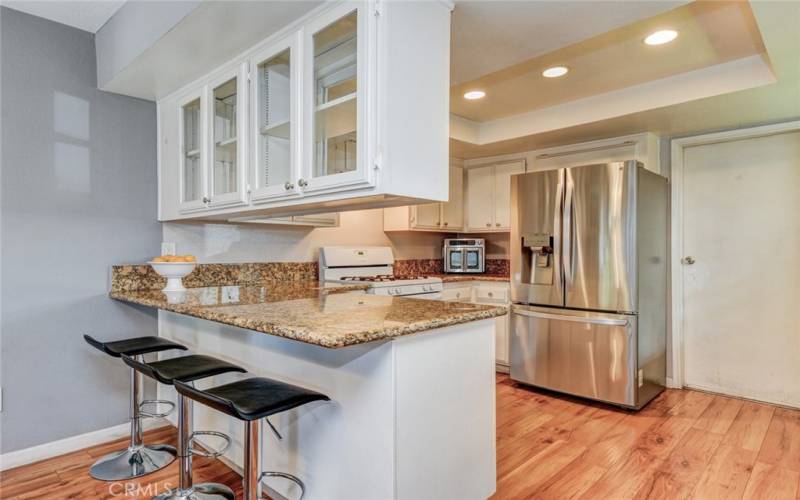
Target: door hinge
{"points": [[378, 6], [378, 163]]}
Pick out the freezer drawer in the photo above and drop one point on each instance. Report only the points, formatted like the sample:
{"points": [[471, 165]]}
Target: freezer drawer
{"points": [[587, 354]]}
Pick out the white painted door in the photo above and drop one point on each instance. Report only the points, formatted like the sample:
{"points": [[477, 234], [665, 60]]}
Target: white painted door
{"points": [[480, 198], [453, 209], [741, 229], [335, 75], [502, 192], [426, 216], [274, 114]]}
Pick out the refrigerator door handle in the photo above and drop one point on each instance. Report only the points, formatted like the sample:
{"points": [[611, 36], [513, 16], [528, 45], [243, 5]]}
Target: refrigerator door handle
{"points": [[577, 319], [568, 214], [557, 232]]}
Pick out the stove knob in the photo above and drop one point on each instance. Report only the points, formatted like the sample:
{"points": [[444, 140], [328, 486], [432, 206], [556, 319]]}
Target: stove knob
{"points": [[396, 291], [391, 291]]}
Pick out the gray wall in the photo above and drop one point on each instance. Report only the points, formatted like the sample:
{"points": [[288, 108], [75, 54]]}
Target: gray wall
{"points": [[78, 194]]}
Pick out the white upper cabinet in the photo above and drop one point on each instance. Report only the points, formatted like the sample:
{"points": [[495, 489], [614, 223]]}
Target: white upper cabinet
{"points": [[480, 198], [502, 192], [335, 59], [346, 108], [275, 116], [489, 196], [227, 98], [444, 217], [453, 209], [191, 152]]}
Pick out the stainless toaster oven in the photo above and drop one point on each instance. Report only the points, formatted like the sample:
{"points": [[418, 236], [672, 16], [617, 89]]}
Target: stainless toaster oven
{"points": [[464, 255]]}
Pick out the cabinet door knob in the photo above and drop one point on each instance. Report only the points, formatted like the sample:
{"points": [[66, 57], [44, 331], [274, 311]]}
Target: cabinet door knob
{"points": [[497, 224], [445, 223], [288, 185], [688, 260], [488, 224], [206, 199], [302, 183], [438, 223]]}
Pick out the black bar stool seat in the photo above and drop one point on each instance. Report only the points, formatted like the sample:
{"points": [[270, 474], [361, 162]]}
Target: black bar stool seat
{"points": [[137, 459], [251, 400], [133, 347], [187, 369]]}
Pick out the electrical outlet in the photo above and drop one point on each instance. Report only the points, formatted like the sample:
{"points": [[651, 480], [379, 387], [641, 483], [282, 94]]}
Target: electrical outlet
{"points": [[168, 248]]}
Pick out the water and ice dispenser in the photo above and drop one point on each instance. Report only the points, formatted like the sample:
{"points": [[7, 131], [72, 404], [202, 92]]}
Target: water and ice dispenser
{"points": [[537, 259]]}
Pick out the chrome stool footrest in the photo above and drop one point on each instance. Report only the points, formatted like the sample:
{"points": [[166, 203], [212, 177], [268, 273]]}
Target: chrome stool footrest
{"points": [[296, 480], [155, 402], [211, 453]]}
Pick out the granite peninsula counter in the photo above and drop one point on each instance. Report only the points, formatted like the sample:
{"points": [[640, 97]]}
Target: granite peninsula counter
{"points": [[311, 312], [411, 381]]}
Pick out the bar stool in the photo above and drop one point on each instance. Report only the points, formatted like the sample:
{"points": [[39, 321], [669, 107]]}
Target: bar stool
{"points": [[251, 400], [187, 369], [137, 459]]}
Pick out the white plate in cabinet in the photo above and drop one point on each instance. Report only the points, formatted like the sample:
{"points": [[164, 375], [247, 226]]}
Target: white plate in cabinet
{"points": [[489, 196], [347, 95]]}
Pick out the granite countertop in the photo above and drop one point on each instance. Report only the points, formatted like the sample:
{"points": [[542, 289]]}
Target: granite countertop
{"points": [[311, 312], [454, 278]]}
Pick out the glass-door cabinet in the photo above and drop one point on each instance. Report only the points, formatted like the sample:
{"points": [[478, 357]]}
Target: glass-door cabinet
{"points": [[227, 148], [191, 152], [275, 109], [335, 99]]}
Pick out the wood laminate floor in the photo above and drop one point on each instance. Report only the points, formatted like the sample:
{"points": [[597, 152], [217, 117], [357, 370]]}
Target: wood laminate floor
{"points": [[684, 445]]}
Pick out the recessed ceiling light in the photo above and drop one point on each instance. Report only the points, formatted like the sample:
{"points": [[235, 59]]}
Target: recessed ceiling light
{"points": [[555, 71], [475, 94], [661, 37]]}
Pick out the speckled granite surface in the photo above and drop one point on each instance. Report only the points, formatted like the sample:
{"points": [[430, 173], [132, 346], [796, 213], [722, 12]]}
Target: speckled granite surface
{"points": [[435, 267], [451, 278], [142, 276], [312, 313]]}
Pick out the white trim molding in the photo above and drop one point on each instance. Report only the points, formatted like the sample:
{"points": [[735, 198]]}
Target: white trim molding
{"points": [[676, 248], [52, 449]]}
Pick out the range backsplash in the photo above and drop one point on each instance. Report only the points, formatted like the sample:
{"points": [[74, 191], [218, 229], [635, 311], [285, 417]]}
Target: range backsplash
{"points": [[412, 267], [142, 276]]}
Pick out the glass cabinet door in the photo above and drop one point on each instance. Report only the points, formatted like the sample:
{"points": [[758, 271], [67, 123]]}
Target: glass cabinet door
{"points": [[333, 91], [192, 178], [274, 100], [226, 182]]}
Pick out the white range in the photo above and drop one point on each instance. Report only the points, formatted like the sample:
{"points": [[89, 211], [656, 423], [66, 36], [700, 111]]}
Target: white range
{"points": [[374, 265]]}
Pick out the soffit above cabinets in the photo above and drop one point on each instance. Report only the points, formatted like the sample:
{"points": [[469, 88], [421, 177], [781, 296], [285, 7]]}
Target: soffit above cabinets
{"points": [[733, 63], [86, 15], [206, 37]]}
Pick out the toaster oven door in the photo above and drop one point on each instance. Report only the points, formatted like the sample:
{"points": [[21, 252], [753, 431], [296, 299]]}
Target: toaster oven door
{"points": [[454, 260]]}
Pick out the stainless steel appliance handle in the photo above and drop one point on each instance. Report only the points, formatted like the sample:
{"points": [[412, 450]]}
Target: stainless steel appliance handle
{"points": [[557, 227], [569, 273], [576, 319]]}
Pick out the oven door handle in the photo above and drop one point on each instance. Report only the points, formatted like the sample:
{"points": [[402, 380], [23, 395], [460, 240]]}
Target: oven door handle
{"points": [[576, 319]]}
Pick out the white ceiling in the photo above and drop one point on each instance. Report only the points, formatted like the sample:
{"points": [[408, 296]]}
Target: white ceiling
{"points": [[87, 15], [490, 35]]}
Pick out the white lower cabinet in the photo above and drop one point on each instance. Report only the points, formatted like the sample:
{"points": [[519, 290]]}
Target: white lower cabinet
{"points": [[486, 292], [337, 111]]}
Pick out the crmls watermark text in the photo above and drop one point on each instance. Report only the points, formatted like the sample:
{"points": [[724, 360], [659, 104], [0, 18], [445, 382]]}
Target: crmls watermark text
{"points": [[137, 490]]}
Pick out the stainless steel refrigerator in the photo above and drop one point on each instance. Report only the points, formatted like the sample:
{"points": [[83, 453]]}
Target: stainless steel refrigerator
{"points": [[589, 281]]}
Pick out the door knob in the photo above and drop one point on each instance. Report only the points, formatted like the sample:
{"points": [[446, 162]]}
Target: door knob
{"points": [[688, 260]]}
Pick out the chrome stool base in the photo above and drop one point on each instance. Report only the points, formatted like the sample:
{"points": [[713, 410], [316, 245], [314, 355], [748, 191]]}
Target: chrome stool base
{"points": [[133, 462], [202, 491]]}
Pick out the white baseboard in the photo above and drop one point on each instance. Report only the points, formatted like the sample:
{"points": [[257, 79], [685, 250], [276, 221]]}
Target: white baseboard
{"points": [[74, 443], [671, 384]]}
